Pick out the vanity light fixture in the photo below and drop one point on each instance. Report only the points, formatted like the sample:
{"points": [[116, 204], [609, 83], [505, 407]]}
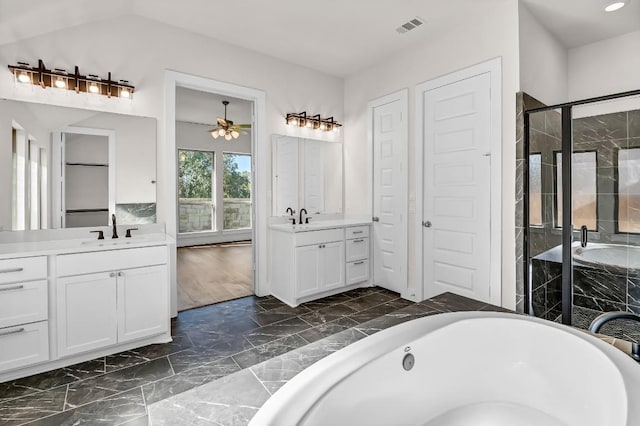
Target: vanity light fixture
{"points": [[312, 121], [23, 73]]}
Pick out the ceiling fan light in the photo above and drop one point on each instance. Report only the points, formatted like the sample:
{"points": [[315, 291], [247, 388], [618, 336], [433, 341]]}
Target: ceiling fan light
{"points": [[227, 136], [221, 132], [214, 134]]}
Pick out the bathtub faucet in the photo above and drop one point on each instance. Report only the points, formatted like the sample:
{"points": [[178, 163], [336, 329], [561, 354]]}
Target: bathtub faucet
{"points": [[584, 234], [601, 320]]}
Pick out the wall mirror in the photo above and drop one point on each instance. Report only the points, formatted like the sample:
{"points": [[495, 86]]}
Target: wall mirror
{"points": [[306, 173], [70, 167]]}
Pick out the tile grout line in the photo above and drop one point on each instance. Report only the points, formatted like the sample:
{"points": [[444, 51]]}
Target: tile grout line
{"points": [[259, 381]]}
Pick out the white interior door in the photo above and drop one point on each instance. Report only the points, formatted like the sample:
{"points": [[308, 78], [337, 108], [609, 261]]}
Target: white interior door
{"points": [[457, 188], [389, 137]]}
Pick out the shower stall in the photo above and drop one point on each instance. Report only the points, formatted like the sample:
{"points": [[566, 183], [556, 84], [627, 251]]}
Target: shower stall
{"points": [[581, 211]]}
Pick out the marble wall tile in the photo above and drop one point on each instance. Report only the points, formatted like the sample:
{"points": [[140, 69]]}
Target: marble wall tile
{"points": [[633, 290], [520, 307], [231, 400], [596, 283], [28, 408], [80, 393], [554, 292], [114, 410], [597, 304], [553, 123], [136, 213], [600, 127], [634, 123], [538, 301], [186, 380]]}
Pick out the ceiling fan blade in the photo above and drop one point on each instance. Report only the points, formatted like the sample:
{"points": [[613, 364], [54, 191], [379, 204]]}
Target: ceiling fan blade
{"points": [[222, 122], [243, 126]]}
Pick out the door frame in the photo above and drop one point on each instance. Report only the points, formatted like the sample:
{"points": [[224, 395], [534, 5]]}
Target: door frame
{"points": [[494, 68], [259, 177], [402, 96], [58, 152]]}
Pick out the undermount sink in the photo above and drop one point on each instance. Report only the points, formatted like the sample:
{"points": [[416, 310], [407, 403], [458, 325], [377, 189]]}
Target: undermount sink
{"points": [[113, 242]]}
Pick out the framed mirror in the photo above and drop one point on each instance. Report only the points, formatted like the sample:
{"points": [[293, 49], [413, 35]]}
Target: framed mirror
{"points": [[306, 173], [70, 167]]}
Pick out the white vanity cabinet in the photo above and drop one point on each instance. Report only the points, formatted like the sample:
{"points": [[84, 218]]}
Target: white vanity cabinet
{"points": [[110, 297], [357, 261], [313, 263], [24, 333]]}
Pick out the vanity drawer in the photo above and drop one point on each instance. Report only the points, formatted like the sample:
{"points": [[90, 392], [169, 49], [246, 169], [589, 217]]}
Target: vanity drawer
{"points": [[23, 269], [24, 345], [315, 237], [22, 303], [357, 231], [357, 271], [357, 249], [109, 260]]}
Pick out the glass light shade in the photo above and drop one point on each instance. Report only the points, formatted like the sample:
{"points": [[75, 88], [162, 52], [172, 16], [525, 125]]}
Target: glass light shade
{"points": [[215, 134], [23, 77], [221, 132], [235, 134], [125, 93], [93, 88], [309, 123], [228, 136], [60, 83]]}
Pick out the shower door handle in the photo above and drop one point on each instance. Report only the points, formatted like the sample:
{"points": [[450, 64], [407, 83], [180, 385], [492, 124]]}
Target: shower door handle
{"points": [[584, 234]]}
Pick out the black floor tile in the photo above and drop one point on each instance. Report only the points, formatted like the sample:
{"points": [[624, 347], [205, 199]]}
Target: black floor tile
{"points": [[32, 407], [275, 331], [269, 350]]}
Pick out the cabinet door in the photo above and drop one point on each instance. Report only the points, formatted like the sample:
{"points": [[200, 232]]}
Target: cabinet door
{"points": [[307, 270], [332, 265], [143, 302], [86, 313]]}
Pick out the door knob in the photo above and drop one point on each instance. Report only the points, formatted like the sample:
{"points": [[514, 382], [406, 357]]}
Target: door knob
{"points": [[426, 223], [375, 219]]}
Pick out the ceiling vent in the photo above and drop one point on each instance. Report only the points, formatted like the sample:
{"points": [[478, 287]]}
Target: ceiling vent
{"points": [[409, 25]]}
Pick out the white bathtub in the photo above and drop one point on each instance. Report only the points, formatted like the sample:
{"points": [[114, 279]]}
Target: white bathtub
{"points": [[616, 255], [471, 368]]}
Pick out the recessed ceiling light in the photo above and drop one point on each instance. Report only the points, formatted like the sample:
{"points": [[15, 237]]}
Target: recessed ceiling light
{"points": [[615, 5]]}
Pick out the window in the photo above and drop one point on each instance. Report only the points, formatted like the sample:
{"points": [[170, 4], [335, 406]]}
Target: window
{"points": [[237, 191], [196, 195], [535, 189], [584, 190], [629, 190]]}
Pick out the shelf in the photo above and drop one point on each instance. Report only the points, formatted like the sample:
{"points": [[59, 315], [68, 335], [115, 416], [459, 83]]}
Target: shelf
{"points": [[88, 164]]}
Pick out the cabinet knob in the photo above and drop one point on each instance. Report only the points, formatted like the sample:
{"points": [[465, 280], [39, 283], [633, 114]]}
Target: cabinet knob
{"points": [[112, 274], [121, 274]]}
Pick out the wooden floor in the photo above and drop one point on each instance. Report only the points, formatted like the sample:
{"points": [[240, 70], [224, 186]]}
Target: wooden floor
{"points": [[213, 273]]}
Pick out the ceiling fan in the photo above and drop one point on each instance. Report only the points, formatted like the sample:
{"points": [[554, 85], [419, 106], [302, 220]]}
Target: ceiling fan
{"points": [[226, 128]]}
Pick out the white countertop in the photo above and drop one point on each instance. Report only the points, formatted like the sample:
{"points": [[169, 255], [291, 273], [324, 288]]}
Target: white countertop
{"points": [[319, 225], [40, 248]]}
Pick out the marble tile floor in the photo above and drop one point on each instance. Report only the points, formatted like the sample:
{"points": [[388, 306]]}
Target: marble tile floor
{"points": [[234, 399], [210, 343]]}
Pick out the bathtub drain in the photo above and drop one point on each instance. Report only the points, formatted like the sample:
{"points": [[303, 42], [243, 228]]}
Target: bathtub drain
{"points": [[408, 361]]}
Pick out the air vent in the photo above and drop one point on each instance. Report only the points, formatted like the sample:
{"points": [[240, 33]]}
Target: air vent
{"points": [[409, 25]]}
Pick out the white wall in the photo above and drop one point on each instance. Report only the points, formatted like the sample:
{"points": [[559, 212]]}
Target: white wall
{"points": [[605, 67], [543, 61], [139, 50], [473, 40]]}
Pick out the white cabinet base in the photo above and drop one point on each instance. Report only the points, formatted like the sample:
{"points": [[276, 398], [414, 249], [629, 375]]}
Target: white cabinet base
{"points": [[86, 356]]}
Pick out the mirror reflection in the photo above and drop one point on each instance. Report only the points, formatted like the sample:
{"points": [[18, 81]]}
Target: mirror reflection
{"points": [[307, 173], [69, 167]]}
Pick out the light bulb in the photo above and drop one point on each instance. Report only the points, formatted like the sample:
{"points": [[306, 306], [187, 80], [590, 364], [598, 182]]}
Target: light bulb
{"points": [[227, 136], [93, 88], [60, 83], [309, 123], [323, 126], [235, 134], [614, 6], [221, 132], [125, 93], [23, 77], [214, 134]]}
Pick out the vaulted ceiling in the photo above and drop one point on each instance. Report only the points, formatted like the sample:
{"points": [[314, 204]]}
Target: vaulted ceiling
{"points": [[335, 36]]}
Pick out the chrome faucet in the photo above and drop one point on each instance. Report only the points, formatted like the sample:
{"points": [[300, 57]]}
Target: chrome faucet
{"points": [[115, 231], [305, 212]]}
